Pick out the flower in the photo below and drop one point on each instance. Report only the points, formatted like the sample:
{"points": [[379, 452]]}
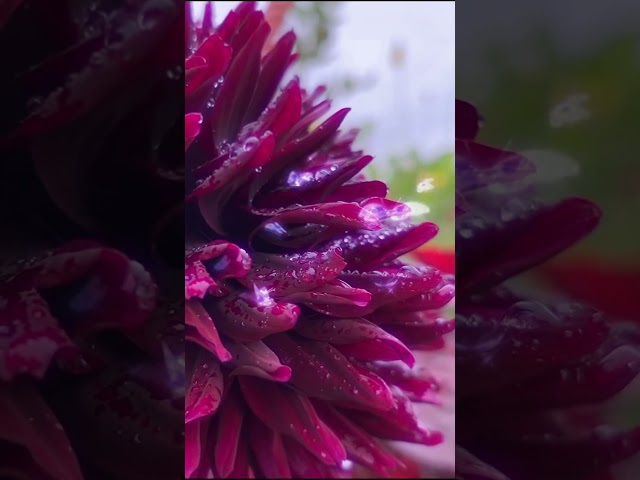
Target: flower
{"points": [[532, 373], [299, 315]]}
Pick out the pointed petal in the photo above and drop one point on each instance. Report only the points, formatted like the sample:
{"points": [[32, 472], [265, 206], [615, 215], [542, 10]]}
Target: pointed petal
{"points": [[321, 371], [297, 418], [257, 359], [203, 327], [204, 394]]}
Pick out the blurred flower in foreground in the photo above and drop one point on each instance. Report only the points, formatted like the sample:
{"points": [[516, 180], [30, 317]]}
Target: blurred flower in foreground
{"points": [[91, 345], [300, 317], [532, 375]]}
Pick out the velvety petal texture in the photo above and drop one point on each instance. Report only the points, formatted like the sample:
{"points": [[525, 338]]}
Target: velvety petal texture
{"points": [[300, 316], [533, 375]]}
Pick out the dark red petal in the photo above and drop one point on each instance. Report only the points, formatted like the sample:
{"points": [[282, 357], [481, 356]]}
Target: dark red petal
{"points": [[399, 423], [356, 337], [570, 220], [274, 65], [304, 465], [321, 371], [416, 383], [394, 285], [228, 430], [199, 319], [238, 165], [592, 379], [335, 298], [192, 447], [297, 418], [522, 341], [297, 149], [289, 273], [237, 88], [257, 359], [252, 316], [360, 445], [269, 450], [366, 250], [421, 332], [192, 122], [204, 394], [337, 215]]}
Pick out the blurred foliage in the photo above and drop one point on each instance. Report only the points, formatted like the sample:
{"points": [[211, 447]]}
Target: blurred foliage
{"points": [[600, 133], [410, 180]]}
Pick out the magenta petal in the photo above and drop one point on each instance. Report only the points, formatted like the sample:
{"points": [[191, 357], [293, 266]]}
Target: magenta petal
{"points": [[199, 319], [257, 359], [366, 250], [192, 447], [356, 338], [337, 215], [225, 259], [297, 418], [394, 284], [432, 300], [283, 113], [216, 53], [298, 272], [274, 65], [298, 148], [321, 371], [421, 332], [230, 423], [416, 383], [360, 446], [237, 88], [252, 316], [192, 122], [198, 282], [269, 450], [238, 165], [315, 180], [335, 299], [304, 465], [399, 423], [247, 27], [204, 394]]}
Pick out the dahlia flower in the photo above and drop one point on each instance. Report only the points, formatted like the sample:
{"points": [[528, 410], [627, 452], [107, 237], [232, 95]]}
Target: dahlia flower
{"points": [[300, 317], [532, 373]]}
